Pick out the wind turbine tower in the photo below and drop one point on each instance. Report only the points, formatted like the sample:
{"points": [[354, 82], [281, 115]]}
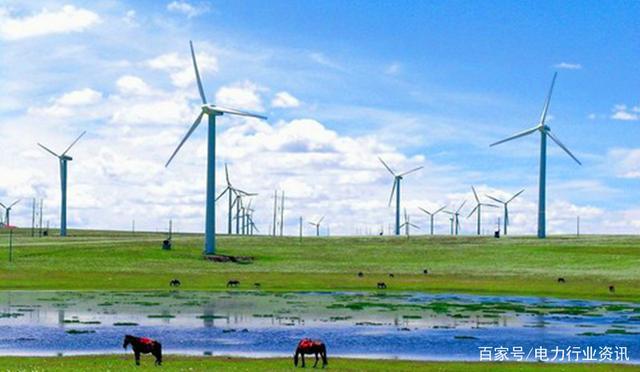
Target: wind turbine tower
{"points": [[212, 111], [545, 131], [397, 178], [432, 215], [64, 159], [478, 209], [506, 207]]}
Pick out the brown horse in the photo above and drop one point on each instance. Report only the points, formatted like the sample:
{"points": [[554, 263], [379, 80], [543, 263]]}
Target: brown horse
{"points": [[145, 346], [309, 346]]}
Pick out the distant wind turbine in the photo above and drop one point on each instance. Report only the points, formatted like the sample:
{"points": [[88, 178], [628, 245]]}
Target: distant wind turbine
{"points": [[432, 215], [506, 208], [407, 223], [456, 217], [545, 132], [7, 212], [231, 191], [317, 225], [64, 158], [396, 189], [211, 111], [478, 209]]}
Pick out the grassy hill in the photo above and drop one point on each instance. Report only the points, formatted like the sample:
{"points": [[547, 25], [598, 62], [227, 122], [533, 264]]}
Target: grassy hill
{"points": [[103, 260]]}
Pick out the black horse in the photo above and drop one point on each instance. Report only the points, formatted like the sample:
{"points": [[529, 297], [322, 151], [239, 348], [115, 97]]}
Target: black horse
{"points": [[143, 345], [175, 283], [308, 346]]}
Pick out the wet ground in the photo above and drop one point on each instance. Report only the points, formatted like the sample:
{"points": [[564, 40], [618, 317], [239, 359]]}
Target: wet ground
{"points": [[404, 326]]}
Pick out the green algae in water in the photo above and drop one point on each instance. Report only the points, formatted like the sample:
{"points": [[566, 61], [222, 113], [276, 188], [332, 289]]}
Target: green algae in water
{"points": [[125, 324], [79, 331], [167, 316], [465, 338]]}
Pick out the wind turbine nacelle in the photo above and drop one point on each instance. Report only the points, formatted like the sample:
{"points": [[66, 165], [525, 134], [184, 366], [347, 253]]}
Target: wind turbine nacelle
{"points": [[211, 110], [66, 157]]}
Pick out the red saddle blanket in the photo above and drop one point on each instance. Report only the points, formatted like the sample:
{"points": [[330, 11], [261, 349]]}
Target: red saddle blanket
{"points": [[307, 343], [146, 341]]}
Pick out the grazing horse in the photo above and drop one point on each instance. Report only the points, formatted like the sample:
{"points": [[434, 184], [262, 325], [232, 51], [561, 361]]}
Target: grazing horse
{"points": [[309, 346], [233, 283], [391, 275], [561, 280], [145, 346], [175, 283], [360, 274], [382, 285], [612, 289]]}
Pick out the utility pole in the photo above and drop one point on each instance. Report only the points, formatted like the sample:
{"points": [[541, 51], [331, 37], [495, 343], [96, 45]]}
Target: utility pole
{"points": [[40, 224], [282, 215], [133, 226], [578, 226], [170, 229], [10, 244], [33, 218], [275, 212], [300, 229]]}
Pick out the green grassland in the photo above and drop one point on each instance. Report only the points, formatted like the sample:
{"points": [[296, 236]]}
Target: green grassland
{"points": [[184, 363], [99, 260]]}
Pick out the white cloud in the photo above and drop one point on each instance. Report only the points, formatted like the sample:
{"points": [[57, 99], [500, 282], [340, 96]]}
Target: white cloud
{"points": [[625, 162], [320, 58], [133, 85], [622, 112], [393, 69], [130, 17], [64, 105], [284, 100], [187, 9], [180, 68], [243, 96], [568, 66], [65, 20]]}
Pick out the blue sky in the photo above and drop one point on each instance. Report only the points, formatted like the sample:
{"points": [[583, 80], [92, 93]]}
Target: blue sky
{"points": [[419, 83]]}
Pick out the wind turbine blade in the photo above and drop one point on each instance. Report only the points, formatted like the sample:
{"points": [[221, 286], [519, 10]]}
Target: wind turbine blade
{"points": [[448, 212], [517, 135], [492, 198], [475, 194], [386, 166], [195, 67], [489, 205], [425, 211], [49, 151], [557, 141], [226, 174], [543, 116], [440, 210], [232, 111], [393, 189], [73, 143], [222, 193], [3, 206], [473, 210], [461, 205], [411, 171], [320, 220], [516, 195], [193, 127], [311, 223], [414, 226], [14, 203]]}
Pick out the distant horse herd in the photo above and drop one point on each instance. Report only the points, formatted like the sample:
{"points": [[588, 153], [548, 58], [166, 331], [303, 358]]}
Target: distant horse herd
{"points": [[306, 346]]}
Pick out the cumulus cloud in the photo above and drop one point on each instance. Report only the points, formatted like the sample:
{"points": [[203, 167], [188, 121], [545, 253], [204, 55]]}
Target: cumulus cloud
{"points": [[568, 66], [187, 9], [284, 100], [625, 162], [180, 68], [46, 22], [64, 105], [624, 113], [393, 69], [133, 85], [244, 95]]}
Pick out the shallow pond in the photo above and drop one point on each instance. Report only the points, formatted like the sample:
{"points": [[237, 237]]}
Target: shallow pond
{"points": [[404, 326]]}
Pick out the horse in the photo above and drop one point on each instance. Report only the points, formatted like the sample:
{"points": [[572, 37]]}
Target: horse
{"points": [[612, 289], [382, 285], [360, 274], [145, 346], [233, 283], [561, 280], [425, 271], [391, 275], [175, 283], [309, 346], [256, 284]]}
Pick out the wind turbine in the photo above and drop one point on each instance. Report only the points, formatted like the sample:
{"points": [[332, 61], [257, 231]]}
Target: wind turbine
{"points": [[211, 111], [432, 215], [7, 212], [545, 132], [478, 209], [407, 223], [456, 217], [230, 190], [506, 208], [64, 158], [396, 188], [317, 225]]}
